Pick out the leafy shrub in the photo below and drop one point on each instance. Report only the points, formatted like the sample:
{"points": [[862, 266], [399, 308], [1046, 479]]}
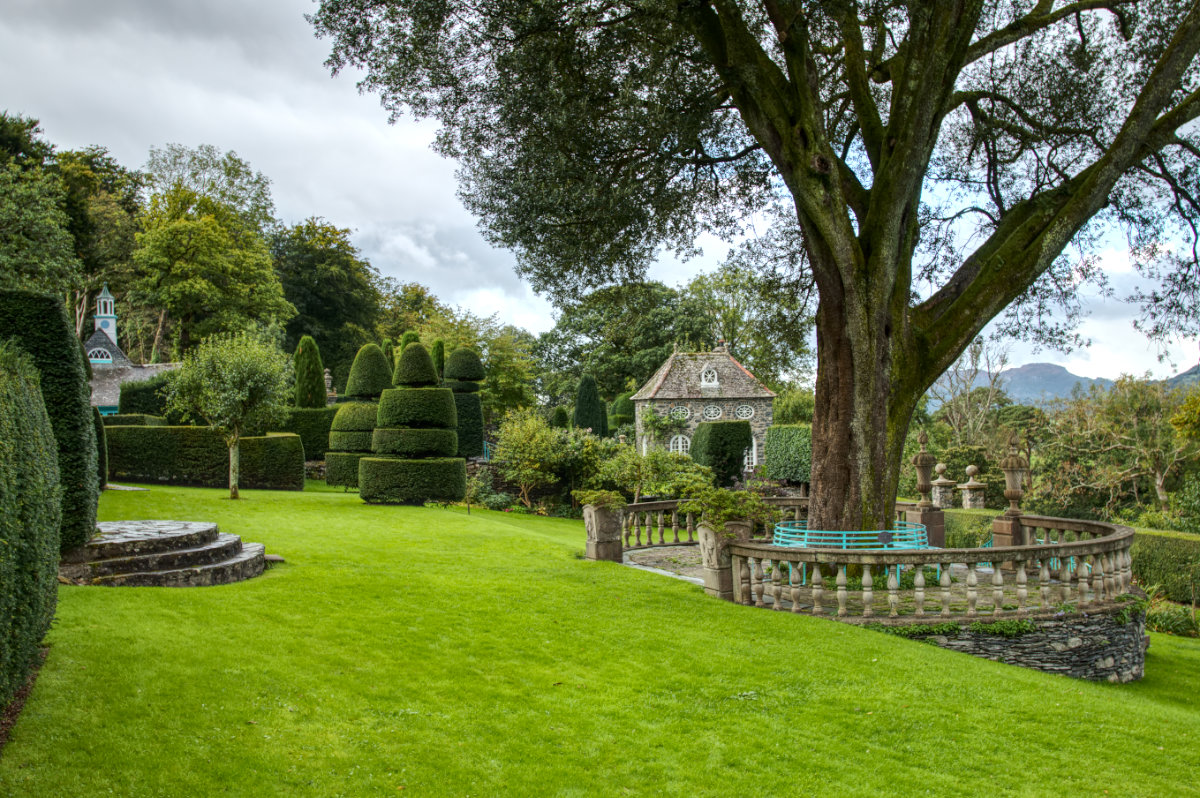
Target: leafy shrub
{"points": [[133, 420], [1172, 619], [793, 407], [312, 424], [560, 417], [590, 412], [30, 515], [722, 445], [464, 369], [967, 530], [39, 324], [498, 501], [101, 447], [310, 374], [788, 452], [1170, 560], [1187, 501], [370, 375], [386, 480], [145, 397], [198, 456]]}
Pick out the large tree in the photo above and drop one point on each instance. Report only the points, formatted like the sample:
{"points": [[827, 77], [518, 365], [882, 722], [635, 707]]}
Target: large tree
{"points": [[937, 157]]}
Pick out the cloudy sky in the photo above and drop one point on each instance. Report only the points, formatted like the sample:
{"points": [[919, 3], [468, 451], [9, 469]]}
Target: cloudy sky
{"points": [[249, 77]]}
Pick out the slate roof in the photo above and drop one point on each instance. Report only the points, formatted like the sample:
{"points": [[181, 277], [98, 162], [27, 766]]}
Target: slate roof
{"points": [[100, 340], [679, 378]]}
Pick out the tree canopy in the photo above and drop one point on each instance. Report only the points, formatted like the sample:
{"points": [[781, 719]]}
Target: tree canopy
{"points": [[935, 162]]}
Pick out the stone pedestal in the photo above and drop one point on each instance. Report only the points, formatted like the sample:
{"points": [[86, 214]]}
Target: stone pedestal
{"points": [[1007, 530], [714, 551], [973, 491], [943, 489], [603, 533], [934, 521]]}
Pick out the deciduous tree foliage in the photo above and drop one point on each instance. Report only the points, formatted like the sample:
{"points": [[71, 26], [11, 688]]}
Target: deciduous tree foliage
{"points": [[937, 158]]}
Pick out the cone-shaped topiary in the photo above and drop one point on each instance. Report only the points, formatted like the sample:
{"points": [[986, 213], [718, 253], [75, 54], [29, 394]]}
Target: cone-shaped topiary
{"points": [[370, 375], [409, 337], [464, 369], [621, 411], [560, 418], [388, 346], [349, 442], [414, 368], [415, 430], [589, 408], [310, 374], [439, 357]]}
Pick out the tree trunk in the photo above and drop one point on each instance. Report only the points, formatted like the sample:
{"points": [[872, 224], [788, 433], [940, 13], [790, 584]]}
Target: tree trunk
{"points": [[1160, 490], [157, 345], [235, 465]]}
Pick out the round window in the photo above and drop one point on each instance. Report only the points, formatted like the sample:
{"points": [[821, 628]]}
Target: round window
{"points": [[712, 411], [680, 444], [744, 411], [681, 412], [708, 377]]}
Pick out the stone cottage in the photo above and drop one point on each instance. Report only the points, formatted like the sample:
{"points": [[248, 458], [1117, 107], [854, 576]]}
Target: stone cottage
{"points": [[692, 387], [110, 366]]}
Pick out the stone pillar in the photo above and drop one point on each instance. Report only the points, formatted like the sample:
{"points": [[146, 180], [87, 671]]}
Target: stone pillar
{"points": [[972, 490], [934, 521], [714, 551], [1007, 530], [603, 533], [943, 489]]}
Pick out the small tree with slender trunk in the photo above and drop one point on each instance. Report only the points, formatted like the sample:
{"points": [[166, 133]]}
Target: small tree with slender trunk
{"points": [[232, 383]]}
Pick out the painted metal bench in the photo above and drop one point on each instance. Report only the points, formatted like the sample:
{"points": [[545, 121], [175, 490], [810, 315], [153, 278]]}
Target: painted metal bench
{"points": [[903, 535]]}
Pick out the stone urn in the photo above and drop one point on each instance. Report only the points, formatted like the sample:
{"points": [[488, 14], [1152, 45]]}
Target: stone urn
{"points": [[714, 552], [604, 526]]}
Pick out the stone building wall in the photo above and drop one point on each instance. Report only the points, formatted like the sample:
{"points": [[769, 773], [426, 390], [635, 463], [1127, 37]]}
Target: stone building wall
{"points": [[763, 410]]}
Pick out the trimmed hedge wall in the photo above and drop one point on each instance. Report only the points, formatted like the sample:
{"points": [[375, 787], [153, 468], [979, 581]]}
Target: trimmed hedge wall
{"points": [[312, 424], [417, 407], [1170, 560], [38, 323], [30, 515], [346, 441], [198, 456], [383, 480], [133, 420], [722, 445], [415, 442], [101, 447], [341, 468], [143, 397], [469, 411], [787, 453]]}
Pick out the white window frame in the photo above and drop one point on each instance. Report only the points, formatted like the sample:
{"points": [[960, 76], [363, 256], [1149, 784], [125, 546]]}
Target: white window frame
{"points": [[680, 444], [744, 416], [680, 412], [713, 416], [751, 457], [705, 381], [101, 355]]}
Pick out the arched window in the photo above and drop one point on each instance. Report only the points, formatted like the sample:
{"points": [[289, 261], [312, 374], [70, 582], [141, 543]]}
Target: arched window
{"points": [[708, 377], [680, 444], [712, 412], [100, 356]]}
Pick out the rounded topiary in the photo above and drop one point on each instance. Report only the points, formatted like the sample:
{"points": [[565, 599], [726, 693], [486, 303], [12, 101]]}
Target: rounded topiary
{"points": [[355, 416], [415, 442], [310, 374], [464, 364], [385, 480], [409, 337], [415, 368], [621, 410], [370, 375], [722, 445], [590, 412], [417, 407], [459, 386], [388, 347], [341, 468], [560, 418], [349, 441]]}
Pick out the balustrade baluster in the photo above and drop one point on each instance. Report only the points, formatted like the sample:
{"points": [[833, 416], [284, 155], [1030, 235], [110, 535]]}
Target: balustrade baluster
{"points": [[757, 577], [777, 584], [1098, 575], [1044, 581], [1110, 575], [691, 528], [997, 589], [1022, 587], [747, 591], [818, 588], [1126, 570], [675, 525], [919, 590], [944, 581], [841, 590], [893, 588], [972, 581], [794, 573], [627, 528], [868, 595], [1082, 579]]}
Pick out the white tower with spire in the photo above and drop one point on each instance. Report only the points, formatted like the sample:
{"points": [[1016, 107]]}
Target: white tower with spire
{"points": [[106, 314]]}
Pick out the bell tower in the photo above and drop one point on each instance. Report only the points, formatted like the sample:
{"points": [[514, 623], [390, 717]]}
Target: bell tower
{"points": [[106, 314]]}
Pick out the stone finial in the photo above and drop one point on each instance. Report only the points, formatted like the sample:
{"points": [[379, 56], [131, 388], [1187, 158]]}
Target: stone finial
{"points": [[943, 489], [1014, 467], [328, 381], [923, 461]]}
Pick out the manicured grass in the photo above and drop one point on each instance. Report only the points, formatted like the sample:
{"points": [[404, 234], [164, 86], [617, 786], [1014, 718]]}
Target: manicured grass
{"points": [[454, 655]]}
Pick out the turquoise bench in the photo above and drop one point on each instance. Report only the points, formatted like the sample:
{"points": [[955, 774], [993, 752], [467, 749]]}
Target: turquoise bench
{"points": [[903, 535]]}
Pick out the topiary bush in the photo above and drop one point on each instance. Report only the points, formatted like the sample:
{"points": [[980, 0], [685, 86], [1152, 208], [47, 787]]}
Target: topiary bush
{"points": [[133, 420], [409, 337], [1170, 560], [349, 441], [722, 445], [370, 375], [30, 518], [621, 411], [310, 374], [144, 397], [101, 447], [590, 412], [415, 429], [464, 371], [312, 424], [38, 323], [439, 357], [198, 456], [787, 452], [560, 417]]}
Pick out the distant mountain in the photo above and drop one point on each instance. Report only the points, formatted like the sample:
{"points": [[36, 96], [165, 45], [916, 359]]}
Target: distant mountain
{"points": [[1187, 379], [1042, 382]]}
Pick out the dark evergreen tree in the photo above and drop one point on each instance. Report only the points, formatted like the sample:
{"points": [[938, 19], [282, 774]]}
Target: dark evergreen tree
{"points": [[310, 374], [590, 412], [560, 417], [439, 358], [101, 447]]}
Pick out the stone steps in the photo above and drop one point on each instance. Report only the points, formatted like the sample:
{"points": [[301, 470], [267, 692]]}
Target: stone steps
{"points": [[162, 554]]}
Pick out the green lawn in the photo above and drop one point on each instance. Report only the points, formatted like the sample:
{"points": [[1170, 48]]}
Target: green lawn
{"points": [[451, 655]]}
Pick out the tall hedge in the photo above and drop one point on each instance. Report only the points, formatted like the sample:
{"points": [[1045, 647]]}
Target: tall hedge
{"points": [[787, 452], [349, 442], [370, 375], [144, 397], [199, 456], [590, 412], [414, 439], [30, 515], [38, 323], [722, 445], [464, 371], [310, 374], [439, 357], [101, 447], [1170, 560], [312, 424]]}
